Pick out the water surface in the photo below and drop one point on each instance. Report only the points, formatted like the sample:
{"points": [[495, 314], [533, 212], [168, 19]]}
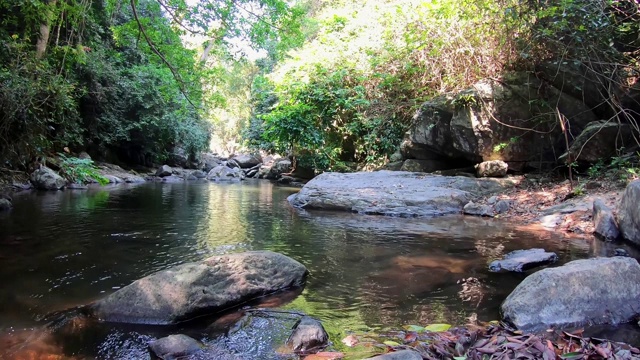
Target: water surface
{"points": [[64, 249]]}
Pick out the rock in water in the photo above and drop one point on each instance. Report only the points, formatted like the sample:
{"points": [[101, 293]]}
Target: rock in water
{"points": [[399, 355], [521, 260], [175, 347], [224, 173], [47, 179], [308, 336], [164, 170], [604, 222], [190, 290], [5, 204], [629, 213], [395, 193], [591, 291]]}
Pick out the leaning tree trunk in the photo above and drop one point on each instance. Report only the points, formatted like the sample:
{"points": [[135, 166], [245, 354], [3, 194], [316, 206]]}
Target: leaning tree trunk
{"points": [[45, 29]]}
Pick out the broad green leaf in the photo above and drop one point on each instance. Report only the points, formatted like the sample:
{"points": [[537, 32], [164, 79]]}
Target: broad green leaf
{"points": [[416, 328], [437, 327]]}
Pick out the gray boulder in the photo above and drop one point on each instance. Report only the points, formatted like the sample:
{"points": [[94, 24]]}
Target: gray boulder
{"points": [[5, 204], [396, 193], [224, 173], [494, 118], [164, 170], [604, 222], [492, 168], [308, 336], [191, 290], [209, 161], [247, 161], [472, 208], [47, 179], [275, 169], [599, 140], [113, 179], [413, 165], [172, 179], [521, 260], [174, 347], [592, 291], [199, 174], [629, 213], [502, 206], [398, 355]]}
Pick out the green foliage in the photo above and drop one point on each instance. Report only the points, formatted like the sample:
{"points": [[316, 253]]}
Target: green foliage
{"points": [[81, 171]]}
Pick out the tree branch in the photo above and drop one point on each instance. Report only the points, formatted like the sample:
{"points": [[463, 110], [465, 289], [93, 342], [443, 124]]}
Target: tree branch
{"points": [[153, 47]]}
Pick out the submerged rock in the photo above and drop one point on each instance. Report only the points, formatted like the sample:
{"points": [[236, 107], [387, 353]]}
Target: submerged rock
{"points": [[308, 336], [47, 179], [592, 291], [5, 204], [190, 290], [398, 355], [604, 222], [521, 260], [174, 347], [629, 213], [394, 193]]}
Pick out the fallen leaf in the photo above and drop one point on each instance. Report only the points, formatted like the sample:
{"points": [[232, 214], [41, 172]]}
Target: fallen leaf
{"points": [[391, 343], [416, 328], [350, 340], [438, 327]]}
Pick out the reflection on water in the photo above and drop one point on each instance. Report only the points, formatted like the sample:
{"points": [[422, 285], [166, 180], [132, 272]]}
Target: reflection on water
{"points": [[64, 249]]}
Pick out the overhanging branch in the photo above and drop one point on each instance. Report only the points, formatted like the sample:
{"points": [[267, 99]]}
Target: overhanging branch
{"points": [[155, 50]]}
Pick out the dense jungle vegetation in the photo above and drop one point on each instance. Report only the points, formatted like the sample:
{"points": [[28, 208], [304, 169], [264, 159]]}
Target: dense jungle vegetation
{"points": [[333, 82]]}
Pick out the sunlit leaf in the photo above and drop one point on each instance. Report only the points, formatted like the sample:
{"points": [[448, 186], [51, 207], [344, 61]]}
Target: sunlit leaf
{"points": [[391, 343], [438, 327], [416, 328]]}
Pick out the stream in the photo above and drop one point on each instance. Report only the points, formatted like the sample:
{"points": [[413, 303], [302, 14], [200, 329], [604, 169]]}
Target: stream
{"points": [[61, 250]]}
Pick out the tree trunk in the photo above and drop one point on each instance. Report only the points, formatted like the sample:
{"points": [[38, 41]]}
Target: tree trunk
{"points": [[45, 29]]}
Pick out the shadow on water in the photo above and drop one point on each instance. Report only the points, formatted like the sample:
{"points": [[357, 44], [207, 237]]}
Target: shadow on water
{"points": [[66, 249]]}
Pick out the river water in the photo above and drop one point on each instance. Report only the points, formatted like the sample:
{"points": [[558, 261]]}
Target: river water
{"points": [[64, 249]]}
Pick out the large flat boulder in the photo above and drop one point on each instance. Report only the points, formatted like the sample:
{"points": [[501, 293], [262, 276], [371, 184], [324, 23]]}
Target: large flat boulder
{"points": [[190, 290], [396, 193], [629, 213], [592, 291], [521, 260]]}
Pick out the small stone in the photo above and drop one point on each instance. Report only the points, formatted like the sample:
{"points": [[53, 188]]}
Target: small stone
{"points": [[502, 206], [174, 347], [472, 208], [308, 336], [492, 200], [621, 252], [493, 168]]}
